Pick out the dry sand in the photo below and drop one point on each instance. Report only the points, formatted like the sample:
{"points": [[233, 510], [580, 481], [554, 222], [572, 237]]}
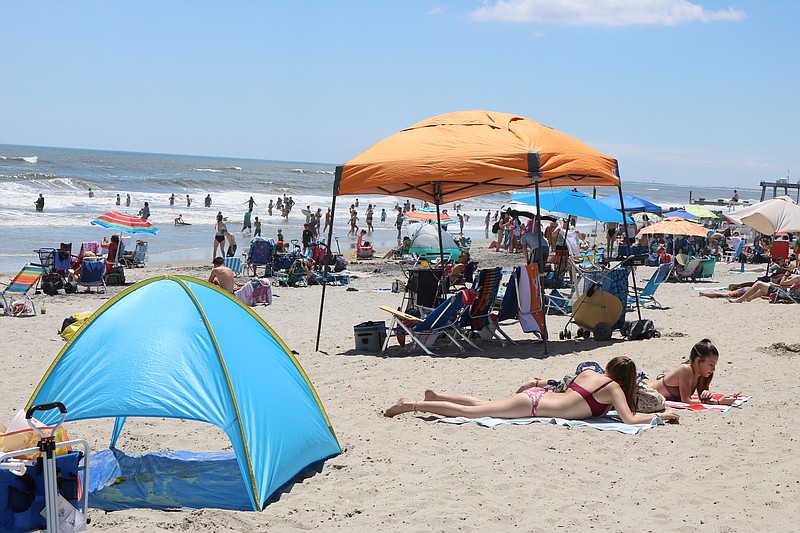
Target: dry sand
{"points": [[736, 471]]}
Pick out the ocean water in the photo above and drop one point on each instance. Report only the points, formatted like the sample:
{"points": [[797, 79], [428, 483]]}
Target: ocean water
{"points": [[64, 177]]}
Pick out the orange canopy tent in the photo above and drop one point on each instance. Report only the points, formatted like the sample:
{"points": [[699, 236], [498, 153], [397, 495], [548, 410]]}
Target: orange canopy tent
{"points": [[465, 154]]}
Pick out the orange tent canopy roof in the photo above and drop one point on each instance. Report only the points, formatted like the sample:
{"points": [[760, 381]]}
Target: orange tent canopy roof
{"points": [[471, 153]]}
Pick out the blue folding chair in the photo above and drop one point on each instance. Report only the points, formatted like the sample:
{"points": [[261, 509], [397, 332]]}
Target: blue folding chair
{"points": [[646, 294], [424, 331]]}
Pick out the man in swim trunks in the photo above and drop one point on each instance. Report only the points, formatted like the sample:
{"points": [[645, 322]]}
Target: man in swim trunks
{"points": [[221, 275]]}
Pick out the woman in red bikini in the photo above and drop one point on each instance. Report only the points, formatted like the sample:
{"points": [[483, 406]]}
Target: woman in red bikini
{"points": [[590, 395], [693, 375]]}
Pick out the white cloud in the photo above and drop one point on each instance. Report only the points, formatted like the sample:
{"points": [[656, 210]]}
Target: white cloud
{"points": [[603, 12], [435, 11]]}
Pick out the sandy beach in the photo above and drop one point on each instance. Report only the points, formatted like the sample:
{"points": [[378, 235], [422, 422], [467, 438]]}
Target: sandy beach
{"points": [[734, 471]]}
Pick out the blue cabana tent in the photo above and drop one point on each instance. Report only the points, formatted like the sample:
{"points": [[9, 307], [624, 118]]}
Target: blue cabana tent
{"points": [[178, 347], [633, 204]]}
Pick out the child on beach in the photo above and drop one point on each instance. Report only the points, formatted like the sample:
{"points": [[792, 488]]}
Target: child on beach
{"points": [[693, 375], [590, 395], [257, 228]]}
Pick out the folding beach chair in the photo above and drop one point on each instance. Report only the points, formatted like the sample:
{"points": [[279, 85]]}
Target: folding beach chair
{"points": [[137, 258], [690, 271], [235, 264], [646, 294], [733, 256], [424, 331], [476, 317], [93, 273], [522, 301], [18, 289], [261, 253], [784, 295]]}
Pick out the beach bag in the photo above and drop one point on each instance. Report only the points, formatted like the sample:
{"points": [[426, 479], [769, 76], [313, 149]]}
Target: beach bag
{"points": [[20, 436], [649, 400], [640, 330], [72, 324], [116, 276], [496, 227]]}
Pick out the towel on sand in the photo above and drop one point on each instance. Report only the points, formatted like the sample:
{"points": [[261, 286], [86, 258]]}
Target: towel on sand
{"points": [[707, 407], [603, 424]]}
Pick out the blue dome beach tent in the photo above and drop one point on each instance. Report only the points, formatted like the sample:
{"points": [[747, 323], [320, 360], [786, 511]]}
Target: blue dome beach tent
{"points": [[426, 242], [195, 353]]}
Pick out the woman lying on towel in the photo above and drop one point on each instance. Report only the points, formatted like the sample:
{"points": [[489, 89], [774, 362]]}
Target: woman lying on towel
{"points": [[590, 395], [693, 375]]}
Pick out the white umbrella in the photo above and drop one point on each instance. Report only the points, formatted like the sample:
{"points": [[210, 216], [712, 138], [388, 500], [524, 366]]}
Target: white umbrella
{"points": [[773, 216]]}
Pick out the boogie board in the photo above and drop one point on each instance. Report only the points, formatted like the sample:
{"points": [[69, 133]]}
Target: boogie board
{"points": [[183, 224]]}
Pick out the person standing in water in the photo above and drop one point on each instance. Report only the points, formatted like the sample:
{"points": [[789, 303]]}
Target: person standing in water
{"points": [[91, 193], [251, 203], [118, 199], [172, 199], [247, 224], [39, 203], [127, 200], [208, 200]]}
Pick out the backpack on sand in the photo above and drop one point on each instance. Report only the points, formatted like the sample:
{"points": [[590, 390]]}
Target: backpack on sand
{"points": [[640, 330]]}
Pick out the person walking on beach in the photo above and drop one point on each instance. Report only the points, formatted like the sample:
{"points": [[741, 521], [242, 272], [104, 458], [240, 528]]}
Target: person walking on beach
{"points": [[250, 203], [39, 203], [219, 236], [247, 224], [188, 201], [257, 228], [486, 222], [461, 223], [118, 200], [353, 223], [207, 201], [399, 224], [369, 219], [127, 200], [172, 199], [327, 220]]}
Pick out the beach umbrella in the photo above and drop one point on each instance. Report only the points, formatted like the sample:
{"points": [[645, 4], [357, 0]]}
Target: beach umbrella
{"points": [[428, 215], [780, 214], [632, 204], [682, 213], [675, 226], [652, 217], [464, 154], [701, 212], [125, 222], [573, 203]]}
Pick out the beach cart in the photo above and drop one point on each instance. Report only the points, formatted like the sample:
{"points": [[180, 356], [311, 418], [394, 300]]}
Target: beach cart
{"points": [[48, 486]]}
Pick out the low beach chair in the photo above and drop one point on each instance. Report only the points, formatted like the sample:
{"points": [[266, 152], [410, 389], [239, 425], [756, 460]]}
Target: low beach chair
{"points": [[18, 289], [424, 331], [93, 273], [261, 253], [235, 264], [646, 295], [476, 317], [690, 271], [137, 258], [733, 255]]}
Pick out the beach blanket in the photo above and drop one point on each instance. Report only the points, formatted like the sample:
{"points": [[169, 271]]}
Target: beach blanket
{"points": [[707, 407], [608, 423], [696, 288], [531, 314]]}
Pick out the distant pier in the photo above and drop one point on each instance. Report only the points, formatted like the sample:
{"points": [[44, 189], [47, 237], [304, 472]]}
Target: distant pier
{"points": [[782, 183]]}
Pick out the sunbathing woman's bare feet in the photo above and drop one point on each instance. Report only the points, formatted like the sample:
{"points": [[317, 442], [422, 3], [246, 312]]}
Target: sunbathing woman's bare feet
{"points": [[403, 405]]}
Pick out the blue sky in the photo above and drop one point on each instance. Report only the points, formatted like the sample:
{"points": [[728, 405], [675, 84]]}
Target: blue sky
{"points": [[679, 91]]}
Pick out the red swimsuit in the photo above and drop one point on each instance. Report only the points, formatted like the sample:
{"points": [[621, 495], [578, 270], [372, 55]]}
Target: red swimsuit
{"points": [[597, 408]]}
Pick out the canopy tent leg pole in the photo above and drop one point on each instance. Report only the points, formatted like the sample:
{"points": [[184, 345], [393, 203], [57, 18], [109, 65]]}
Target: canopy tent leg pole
{"points": [[540, 261], [437, 197], [329, 252], [625, 229]]}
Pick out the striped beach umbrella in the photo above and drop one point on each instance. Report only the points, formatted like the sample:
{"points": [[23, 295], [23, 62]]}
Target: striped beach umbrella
{"points": [[124, 222]]}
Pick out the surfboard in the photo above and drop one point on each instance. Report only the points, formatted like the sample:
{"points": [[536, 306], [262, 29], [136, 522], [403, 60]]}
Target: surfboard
{"points": [[306, 212], [183, 224]]}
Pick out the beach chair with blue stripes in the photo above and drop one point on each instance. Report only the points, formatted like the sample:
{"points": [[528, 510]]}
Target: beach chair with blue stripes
{"points": [[646, 295], [235, 264], [18, 289]]}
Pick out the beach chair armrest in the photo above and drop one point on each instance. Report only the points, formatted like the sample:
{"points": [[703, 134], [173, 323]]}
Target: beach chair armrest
{"points": [[400, 314]]}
